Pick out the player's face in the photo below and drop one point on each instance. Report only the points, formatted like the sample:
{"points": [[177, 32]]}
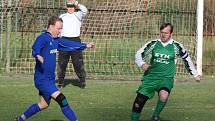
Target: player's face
{"points": [[165, 34], [56, 30], [70, 9]]}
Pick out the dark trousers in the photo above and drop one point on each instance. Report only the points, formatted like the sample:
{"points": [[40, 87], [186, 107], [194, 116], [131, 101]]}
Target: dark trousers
{"points": [[77, 61]]}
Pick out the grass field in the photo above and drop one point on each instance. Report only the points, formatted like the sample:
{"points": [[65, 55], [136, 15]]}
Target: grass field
{"points": [[109, 100]]}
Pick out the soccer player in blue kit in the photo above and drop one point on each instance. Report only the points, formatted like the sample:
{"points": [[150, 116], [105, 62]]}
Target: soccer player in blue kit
{"points": [[44, 50]]}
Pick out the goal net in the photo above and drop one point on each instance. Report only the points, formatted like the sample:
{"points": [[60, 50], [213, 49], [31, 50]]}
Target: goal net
{"points": [[117, 27]]}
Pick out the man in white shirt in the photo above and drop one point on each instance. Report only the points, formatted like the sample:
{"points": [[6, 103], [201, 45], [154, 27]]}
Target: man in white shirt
{"points": [[72, 21]]}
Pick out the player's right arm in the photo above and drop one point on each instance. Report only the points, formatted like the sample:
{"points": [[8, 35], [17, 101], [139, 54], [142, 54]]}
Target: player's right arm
{"points": [[143, 53], [40, 58], [36, 48]]}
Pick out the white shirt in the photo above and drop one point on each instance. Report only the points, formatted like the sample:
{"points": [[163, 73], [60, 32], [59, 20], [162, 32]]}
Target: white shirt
{"points": [[72, 22]]}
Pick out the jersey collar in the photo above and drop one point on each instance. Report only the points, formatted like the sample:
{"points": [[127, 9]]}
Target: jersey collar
{"points": [[165, 44]]}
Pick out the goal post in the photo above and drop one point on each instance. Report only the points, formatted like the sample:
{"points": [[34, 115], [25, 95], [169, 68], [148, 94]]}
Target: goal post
{"points": [[199, 35]]}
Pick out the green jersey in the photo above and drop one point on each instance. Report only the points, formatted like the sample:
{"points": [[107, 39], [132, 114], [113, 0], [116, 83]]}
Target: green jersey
{"points": [[163, 59]]}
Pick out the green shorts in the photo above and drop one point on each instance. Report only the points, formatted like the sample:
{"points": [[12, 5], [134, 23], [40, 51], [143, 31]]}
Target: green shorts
{"points": [[149, 86]]}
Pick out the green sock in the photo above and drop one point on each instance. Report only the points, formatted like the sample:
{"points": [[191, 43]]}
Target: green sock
{"points": [[159, 108], [135, 116]]}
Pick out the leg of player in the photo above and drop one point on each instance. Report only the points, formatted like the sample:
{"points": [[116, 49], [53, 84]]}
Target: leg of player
{"points": [[33, 109], [78, 64], [138, 106], [63, 60], [163, 96], [65, 108]]}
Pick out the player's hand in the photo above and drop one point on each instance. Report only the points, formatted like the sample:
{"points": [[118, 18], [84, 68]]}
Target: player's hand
{"points": [[145, 66], [40, 58], [197, 78], [90, 45], [75, 2]]}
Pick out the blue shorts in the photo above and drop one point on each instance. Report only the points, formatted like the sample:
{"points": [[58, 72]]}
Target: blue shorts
{"points": [[46, 90]]}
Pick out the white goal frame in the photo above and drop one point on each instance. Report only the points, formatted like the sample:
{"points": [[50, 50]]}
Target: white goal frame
{"points": [[199, 35]]}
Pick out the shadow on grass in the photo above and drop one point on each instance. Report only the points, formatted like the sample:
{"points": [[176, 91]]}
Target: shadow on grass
{"points": [[161, 120], [56, 120], [74, 82]]}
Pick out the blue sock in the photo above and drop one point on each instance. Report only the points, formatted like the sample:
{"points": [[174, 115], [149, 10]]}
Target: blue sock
{"points": [[68, 112], [33, 109], [20, 119]]}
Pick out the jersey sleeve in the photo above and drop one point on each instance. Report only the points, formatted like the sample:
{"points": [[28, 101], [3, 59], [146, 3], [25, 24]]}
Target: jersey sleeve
{"points": [[38, 44], [82, 12], [68, 45], [144, 52], [187, 60]]}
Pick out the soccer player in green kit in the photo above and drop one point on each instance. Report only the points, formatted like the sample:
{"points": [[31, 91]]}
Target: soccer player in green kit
{"points": [[159, 73]]}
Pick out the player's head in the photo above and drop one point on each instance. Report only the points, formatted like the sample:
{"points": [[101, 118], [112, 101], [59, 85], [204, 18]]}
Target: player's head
{"points": [[71, 7], [166, 30], [55, 25]]}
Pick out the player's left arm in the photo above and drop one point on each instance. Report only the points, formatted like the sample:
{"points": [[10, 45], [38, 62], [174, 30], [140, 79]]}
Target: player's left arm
{"points": [[67, 45], [83, 10], [188, 62]]}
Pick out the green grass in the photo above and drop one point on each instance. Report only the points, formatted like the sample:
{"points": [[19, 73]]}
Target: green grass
{"points": [[109, 100]]}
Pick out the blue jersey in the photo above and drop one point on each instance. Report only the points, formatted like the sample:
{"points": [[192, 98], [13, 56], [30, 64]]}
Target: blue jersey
{"points": [[46, 46]]}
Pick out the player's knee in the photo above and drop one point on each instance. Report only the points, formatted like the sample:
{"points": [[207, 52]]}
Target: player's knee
{"points": [[163, 95], [43, 105], [61, 100], [163, 98], [139, 103]]}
